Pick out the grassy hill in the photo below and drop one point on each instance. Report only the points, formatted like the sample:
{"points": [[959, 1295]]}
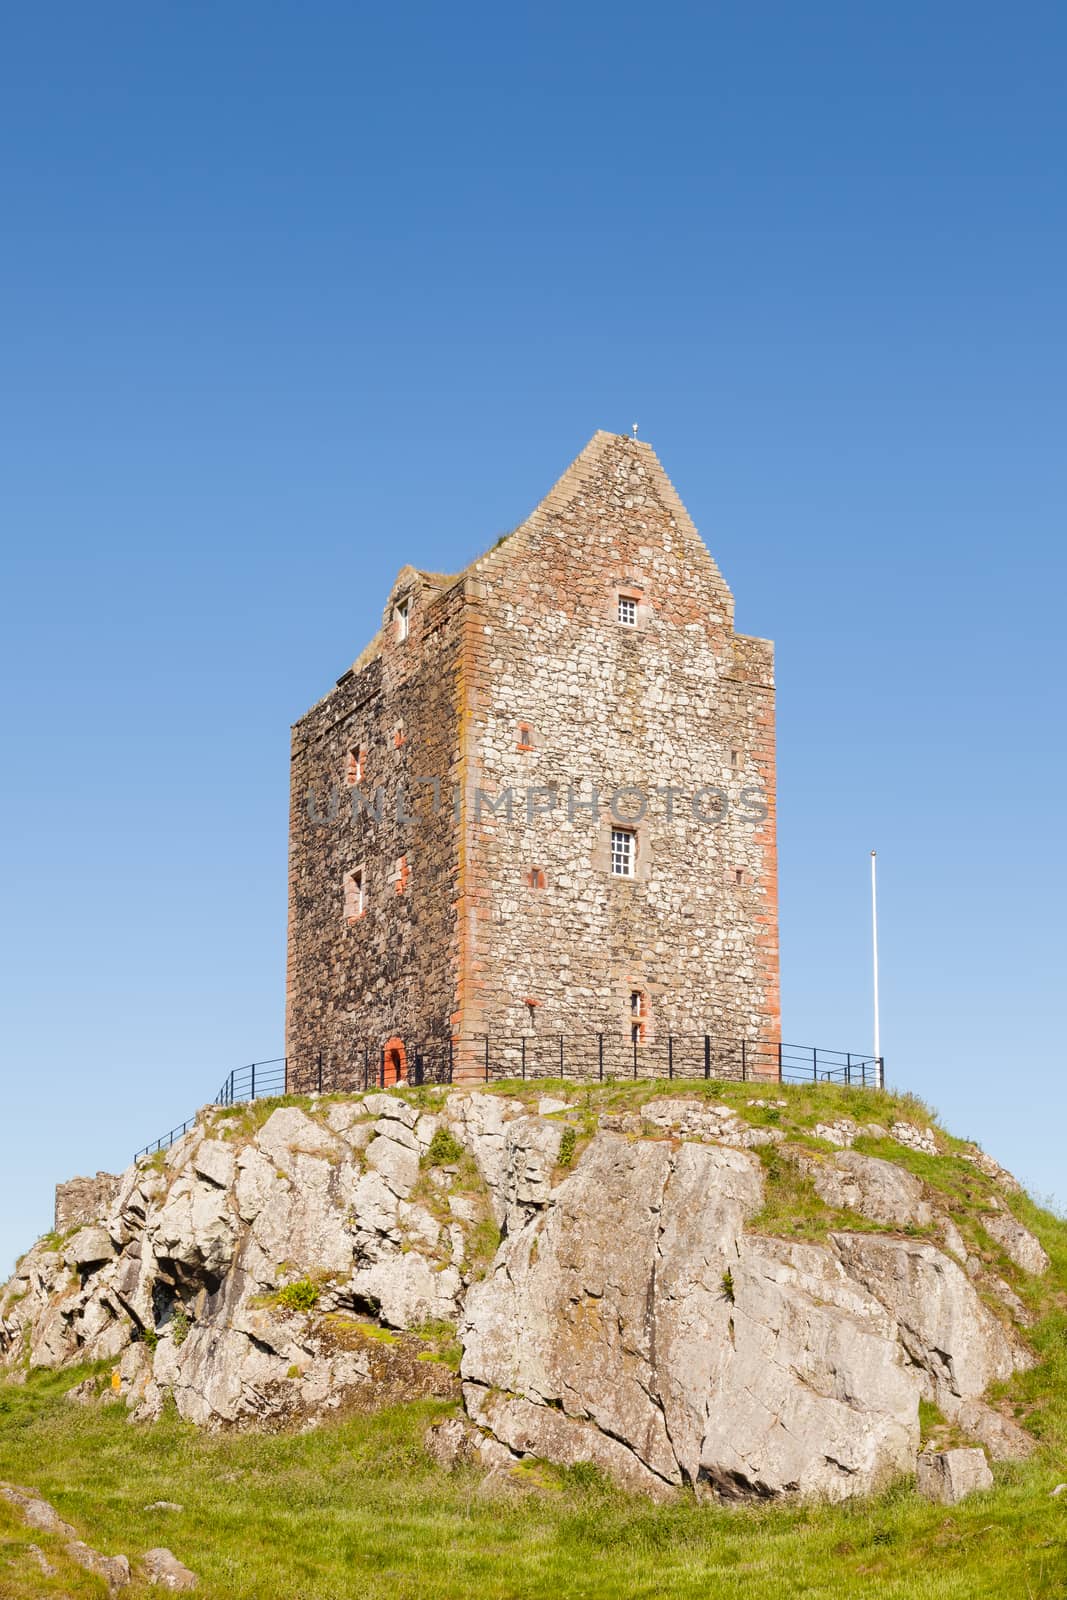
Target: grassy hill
{"points": [[356, 1507]]}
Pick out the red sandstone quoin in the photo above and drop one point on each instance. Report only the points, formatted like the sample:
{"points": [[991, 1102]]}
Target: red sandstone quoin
{"points": [[591, 649]]}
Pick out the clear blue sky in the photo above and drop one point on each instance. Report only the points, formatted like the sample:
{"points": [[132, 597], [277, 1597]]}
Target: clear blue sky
{"points": [[292, 294]]}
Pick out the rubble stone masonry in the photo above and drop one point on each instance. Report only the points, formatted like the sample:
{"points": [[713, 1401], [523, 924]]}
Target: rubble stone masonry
{"points": [[593, 649]]}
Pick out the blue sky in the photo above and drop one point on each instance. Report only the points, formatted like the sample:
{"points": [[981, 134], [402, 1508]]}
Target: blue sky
{"points": [[290, 295]]}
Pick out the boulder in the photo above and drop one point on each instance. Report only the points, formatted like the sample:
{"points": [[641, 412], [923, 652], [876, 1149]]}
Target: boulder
{"points": [[390, 1105], [946, 1476], [456, 1442], [163, 1569], [1018, 1242], [1002, 1437], [395, 1163], [214, 1161], [874, 1188], [88, 1248], [345, 1115], [391, 1128]]}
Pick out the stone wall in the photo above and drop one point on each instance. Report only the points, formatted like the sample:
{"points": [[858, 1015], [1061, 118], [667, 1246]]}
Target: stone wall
{"points": [[83, 1200], [355, 983], [518, 676], [677, 701]]}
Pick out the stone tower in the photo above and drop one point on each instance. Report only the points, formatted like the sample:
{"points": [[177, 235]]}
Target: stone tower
{"points": [[541, 803]]}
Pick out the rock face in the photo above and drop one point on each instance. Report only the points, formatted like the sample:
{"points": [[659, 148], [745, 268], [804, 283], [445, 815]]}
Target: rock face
{"points": [[876, 1189], [277, 1267], [1018, 1242], [638, 1325], [946, 1476]]}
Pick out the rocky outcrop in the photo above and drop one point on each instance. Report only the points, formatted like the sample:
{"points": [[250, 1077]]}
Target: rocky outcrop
{"points": [[955, 1344], [279, 1265], [638, 1324], [1017, 1242], [947, 1476], [876, 1189]]}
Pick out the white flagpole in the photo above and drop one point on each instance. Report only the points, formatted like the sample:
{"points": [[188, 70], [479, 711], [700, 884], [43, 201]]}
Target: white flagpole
{"points": [[874, 949]]}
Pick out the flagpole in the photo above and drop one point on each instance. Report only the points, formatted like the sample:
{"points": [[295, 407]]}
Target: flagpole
{"points": [[874, 951]]}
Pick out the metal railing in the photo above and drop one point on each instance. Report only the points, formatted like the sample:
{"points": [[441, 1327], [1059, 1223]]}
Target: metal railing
{"points": [[587, 1057], [259, 1080], [606, 1056]]}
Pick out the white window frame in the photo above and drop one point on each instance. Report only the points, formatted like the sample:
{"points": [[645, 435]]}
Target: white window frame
{"points": [[623, 852], [627, 611], [402, 613]]}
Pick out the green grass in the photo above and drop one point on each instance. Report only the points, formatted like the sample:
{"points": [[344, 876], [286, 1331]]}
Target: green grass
{"points": [[300, 1296], [568, 1142], [356, 1508], [808, 1103], [444, 1149]]}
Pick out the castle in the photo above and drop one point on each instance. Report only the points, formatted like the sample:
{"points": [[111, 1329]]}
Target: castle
{"points": [[538, 812]]}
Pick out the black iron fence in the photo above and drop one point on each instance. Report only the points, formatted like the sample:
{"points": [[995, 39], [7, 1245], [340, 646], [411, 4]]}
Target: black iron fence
{"points": [[603, 1056], [592, 1057]]}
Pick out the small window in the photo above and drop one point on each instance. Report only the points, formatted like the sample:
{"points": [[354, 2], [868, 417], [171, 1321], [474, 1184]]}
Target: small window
{"points": [[354, 768], [535, 878], [355, 899], [638, 1015], [735, 758], [739, 875], [627, 611], [399, 736], [403, 617], [622, 853], [525, 736], [401, 874]]}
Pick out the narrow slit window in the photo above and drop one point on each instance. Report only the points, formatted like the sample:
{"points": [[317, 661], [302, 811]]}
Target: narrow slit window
{"points": [[739, 875], [627, 611], [735, 758], [536, 878], [354, 768], [622, 853], [403, 620], [637, 1016], [525, 736], [355, 898], [401, 874]]}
